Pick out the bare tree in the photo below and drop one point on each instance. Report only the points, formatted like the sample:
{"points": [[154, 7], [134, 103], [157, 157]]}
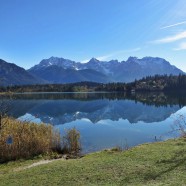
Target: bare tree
{"points": [[179, 126]]}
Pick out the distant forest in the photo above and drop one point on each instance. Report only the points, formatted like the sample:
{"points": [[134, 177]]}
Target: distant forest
{"points": [[150, 83]]}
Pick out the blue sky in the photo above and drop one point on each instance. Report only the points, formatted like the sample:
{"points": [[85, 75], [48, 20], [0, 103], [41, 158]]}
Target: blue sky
{"points": [[81, 29]]}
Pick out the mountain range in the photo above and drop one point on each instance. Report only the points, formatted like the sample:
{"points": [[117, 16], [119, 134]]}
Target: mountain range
{"points": [[60, 70]]}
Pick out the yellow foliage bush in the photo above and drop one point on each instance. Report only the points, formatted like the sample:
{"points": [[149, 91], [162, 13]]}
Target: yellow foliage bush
{"points": [[28, 139]]}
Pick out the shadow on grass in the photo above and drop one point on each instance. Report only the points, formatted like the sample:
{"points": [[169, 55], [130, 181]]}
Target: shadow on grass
{"points": [[177, 160]]}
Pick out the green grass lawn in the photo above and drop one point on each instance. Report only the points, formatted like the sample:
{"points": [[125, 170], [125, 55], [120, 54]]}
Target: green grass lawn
{"points": [[162, 163]]}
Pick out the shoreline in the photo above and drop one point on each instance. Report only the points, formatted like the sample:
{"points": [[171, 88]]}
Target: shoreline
{"points": [[159, 163]]}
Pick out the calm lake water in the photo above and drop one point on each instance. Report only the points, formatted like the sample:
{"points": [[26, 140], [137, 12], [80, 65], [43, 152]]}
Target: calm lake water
{"points": [[104, 120]]}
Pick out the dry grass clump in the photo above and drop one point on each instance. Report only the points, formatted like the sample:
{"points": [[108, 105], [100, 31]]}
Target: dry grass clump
{"points": [[20, 139]]}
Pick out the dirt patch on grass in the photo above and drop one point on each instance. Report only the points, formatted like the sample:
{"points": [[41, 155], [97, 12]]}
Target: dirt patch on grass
{"points": [[42, 162]]}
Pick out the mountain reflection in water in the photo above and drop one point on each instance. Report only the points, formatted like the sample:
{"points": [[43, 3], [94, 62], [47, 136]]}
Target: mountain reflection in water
{"points": [[112, 113]]}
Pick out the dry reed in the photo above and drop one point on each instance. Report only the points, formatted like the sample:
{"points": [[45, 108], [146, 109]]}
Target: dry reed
{"points": [[20, 139]]}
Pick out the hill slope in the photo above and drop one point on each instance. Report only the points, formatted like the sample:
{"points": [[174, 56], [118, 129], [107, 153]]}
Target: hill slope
{"points": [[11, 74], [57, 74]]}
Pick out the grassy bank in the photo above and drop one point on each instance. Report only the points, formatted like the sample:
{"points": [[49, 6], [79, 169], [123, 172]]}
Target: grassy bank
{"points": [[162, 163]]}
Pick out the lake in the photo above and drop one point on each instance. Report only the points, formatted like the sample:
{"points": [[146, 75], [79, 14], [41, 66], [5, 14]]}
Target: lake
{"points": [[104, 120]]}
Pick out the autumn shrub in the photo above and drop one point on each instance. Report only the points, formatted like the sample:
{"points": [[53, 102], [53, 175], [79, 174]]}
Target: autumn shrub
{"points": [[71, 142], [21, 139]]}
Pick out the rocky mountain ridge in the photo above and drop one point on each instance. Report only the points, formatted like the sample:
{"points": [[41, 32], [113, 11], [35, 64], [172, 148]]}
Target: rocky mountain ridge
{"points": [[60, 70], [113, 71]]}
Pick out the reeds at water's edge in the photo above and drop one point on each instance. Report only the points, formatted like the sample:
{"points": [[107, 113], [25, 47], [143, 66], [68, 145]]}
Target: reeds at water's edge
{"points": [[23, 140]]}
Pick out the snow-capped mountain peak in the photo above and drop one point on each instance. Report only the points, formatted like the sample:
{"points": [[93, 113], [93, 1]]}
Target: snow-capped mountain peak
{"points": [[61, 62], [93, 60], [125, 71]]}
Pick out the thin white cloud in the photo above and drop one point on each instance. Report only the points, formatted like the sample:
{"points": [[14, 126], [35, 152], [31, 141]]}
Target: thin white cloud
{"points": [[106, 57], [182, 46], [171, 39], [173, 25], [85, 60], [130, 50]]}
